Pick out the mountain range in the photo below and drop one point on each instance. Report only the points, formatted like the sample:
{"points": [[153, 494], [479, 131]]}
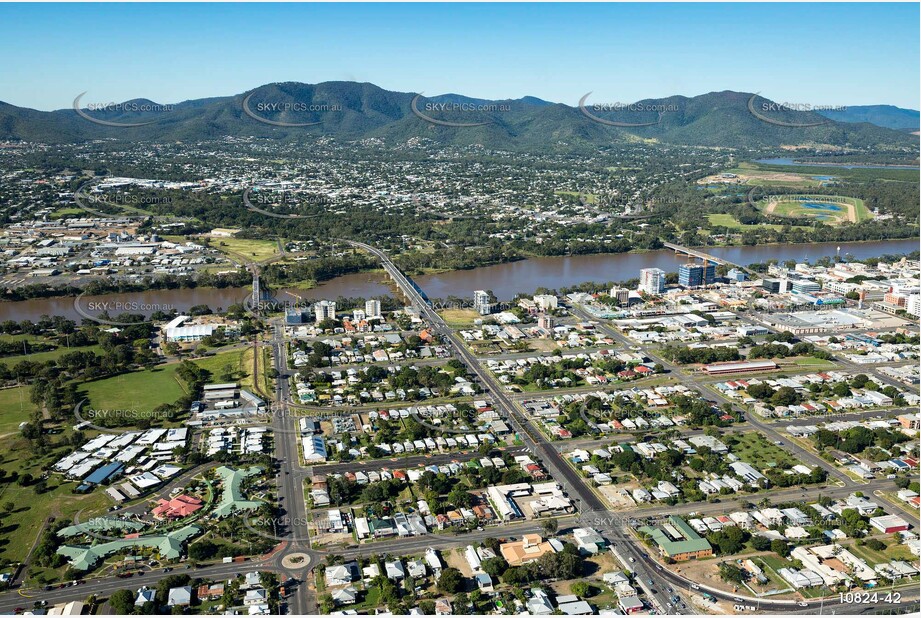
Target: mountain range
{"points": [[354, 111], [888, 116]]}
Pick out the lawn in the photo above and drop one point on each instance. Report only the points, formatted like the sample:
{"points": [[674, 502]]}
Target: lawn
{"points": [[729, 221], [249, 250], [809, 361], [590, 198], [63, 212], [41, 357], [755, 449], [20, 527], [139, 390], [15, 407], [230, 366], [459, 318]]}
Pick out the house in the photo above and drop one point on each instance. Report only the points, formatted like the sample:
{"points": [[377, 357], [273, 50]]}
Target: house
{"points": [[443, 607], [256, 596], [345, 596], [574, 608], [214, 591], [145, 595], [528, 549], [251, 580], [538, 603], [180, 596], [588, 541], [394, 569], [483, 582], [341, 574]]}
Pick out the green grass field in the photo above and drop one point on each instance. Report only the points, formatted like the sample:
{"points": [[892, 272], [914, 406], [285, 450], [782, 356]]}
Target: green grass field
{"points": [[729, 221], [15, 407], [232, 365], [139, 390], [41, 357], [792, 206], [459, 318], [759, 452], [808, 361], [63, 212], [251, 250], [590, 198]]}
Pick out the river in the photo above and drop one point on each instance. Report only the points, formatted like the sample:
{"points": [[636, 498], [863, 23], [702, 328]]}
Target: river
{"points": [[505, 280]]}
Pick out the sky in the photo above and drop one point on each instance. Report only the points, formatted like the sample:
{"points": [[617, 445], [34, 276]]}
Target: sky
{"points": [[818, 54]]}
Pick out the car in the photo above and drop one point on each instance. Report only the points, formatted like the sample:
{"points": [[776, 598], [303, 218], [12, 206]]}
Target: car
{"points": [[167, 569], [695, 586], [737, 599], [632, 559], [803, 604]]}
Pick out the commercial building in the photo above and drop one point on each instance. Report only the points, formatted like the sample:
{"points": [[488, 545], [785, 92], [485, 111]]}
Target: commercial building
{"points": [[621, 295], [889, 524], [678, 541], [652, 280], [740, 367], [696, 275], [775, 286]]}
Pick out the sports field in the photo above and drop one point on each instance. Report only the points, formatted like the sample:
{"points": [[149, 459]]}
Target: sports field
{"points": [[830, 209]]}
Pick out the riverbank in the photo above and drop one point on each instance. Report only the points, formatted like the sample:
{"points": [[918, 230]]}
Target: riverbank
{"points": [[505, 280]]}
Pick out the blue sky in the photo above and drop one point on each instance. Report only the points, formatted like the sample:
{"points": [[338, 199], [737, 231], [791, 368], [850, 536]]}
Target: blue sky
{"points": [[832, 54]]}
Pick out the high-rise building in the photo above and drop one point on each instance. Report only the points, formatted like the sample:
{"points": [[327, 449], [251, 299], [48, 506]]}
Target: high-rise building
{"points": [[652, 280], [324, 309], [372, 308], [696, 275], [913, 306], [545, 322], [481, 302]]}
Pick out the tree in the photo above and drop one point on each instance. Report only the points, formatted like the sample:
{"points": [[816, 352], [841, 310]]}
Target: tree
{"points": [[584, 590], [450, 581], [495, 567], [780, 547], [122, 601], [550, 526]]}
